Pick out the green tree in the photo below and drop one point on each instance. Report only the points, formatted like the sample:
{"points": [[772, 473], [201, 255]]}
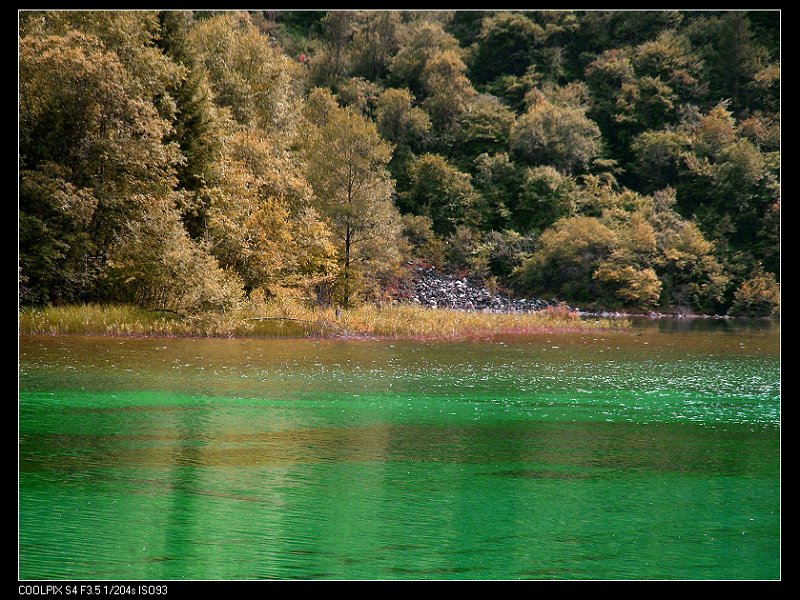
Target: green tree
{"points": [[439, 191], [405, 126], [546, 195], [732, 57], [360, 94], [658, 157], [484, 126], [506, 45], [497, 180], [419, 42], [375, 42], [197, 127], [560, 136]]}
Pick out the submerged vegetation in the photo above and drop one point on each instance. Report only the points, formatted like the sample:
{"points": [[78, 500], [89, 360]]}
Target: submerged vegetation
{"points": [[201, 162]]}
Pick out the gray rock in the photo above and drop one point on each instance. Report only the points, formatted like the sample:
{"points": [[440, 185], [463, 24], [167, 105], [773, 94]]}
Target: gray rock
{"points": [[433, 288]]}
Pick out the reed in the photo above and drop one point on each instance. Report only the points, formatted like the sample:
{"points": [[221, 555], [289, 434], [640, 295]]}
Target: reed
{"points": [[291, 319]]}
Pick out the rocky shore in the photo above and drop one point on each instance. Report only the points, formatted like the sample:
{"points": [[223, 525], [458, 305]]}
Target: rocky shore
{"points": [[433, 289]]}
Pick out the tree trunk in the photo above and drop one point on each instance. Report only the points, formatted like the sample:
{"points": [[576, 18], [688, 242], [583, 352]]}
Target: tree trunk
{"points": [[347, 240]]}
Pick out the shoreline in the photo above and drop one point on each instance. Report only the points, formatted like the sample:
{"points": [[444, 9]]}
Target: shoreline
{"points": [[367, 322], [281, 320]]}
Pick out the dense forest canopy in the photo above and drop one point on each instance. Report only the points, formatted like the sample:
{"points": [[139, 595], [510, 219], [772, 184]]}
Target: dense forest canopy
{"points": [[187, 160]]}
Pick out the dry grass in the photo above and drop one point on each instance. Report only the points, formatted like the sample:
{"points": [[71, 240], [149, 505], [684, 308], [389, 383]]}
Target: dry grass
{"points": [[289, 319]]}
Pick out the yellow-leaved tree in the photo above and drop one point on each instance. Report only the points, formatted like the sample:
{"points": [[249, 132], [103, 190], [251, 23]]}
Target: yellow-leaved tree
{"points": [[345, 163]]}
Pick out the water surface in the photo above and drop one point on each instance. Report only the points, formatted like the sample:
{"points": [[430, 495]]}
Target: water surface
{"points": [[653, 453]]}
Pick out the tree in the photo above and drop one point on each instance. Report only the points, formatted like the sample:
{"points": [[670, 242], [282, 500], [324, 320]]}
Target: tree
{"points": [[628, 274], [732, 58], [424, 243], [506, 45], [691, 274], [375, 42], [319, 107], [346, 166], [155, 264], [566, 258], [254, 80], [333, 62], [91, 150], [658, 157], [405, 126], [448, 89], [546, 196], [197, 127], [439, 191], [757, 296], [497, 180], [360, 94], [560, 136], [671, 58], [398, 121], [419, 42], [484, 126], [260, 218]]}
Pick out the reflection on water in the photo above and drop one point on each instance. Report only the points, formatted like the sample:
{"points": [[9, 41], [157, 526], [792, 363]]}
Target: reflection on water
{"points": [[652, 453]]}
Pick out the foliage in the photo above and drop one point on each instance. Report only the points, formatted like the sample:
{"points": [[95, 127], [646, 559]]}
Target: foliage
{"points": [[567, 256], [424, 244], [90, 145], [398, 121], [156, 265], [561, 136], [625, 159], [439, 191], [757, 296], [345, 163], [506, 45], [251, 78]]}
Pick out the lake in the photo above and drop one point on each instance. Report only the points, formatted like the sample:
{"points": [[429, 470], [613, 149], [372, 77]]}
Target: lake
{"points": [[650, 453]]}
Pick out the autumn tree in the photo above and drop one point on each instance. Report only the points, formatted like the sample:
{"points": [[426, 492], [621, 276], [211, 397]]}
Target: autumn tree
{"points": [[566, 259], [346, 162], [91, 151], [155, 264], [757, 296], [251, 78]]}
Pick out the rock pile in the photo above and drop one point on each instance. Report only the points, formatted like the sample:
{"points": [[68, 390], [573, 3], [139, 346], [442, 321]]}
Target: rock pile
{"points": [[439, 290]]}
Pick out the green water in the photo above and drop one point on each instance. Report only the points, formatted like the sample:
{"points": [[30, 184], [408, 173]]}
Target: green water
{"points": [[648, 454]]}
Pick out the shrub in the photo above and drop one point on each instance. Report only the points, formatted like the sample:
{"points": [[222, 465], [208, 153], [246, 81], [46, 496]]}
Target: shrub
{"points": [[758, 296]]}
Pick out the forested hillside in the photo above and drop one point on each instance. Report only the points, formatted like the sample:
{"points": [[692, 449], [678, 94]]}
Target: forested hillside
{"points": [[189, 161]]}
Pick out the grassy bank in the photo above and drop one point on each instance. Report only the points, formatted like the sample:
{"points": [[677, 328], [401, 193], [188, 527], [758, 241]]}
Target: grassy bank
{"points": [[281, 319]]}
